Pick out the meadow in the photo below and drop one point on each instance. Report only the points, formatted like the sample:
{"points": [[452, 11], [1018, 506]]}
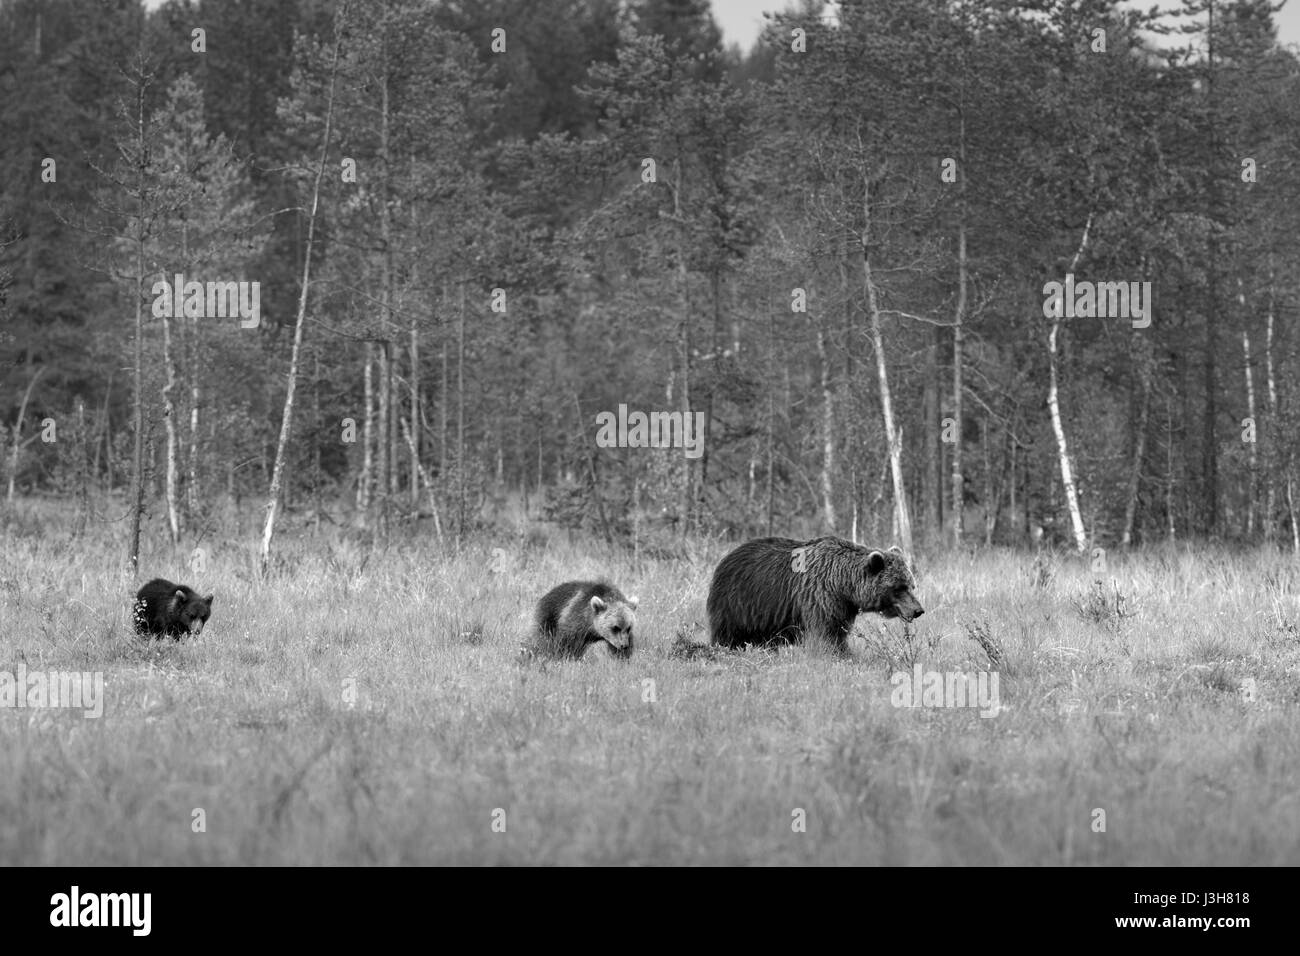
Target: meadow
{"points": [[363, 705]]}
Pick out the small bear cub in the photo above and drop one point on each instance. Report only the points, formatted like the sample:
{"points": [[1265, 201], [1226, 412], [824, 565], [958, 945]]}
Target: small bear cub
{"points": [[163, 609], [574, 615]]}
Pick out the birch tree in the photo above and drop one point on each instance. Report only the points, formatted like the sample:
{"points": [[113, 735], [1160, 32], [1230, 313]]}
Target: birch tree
{"points": [[313, 209], [1054, 409]]}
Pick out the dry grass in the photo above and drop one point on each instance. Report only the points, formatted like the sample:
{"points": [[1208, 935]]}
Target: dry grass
{"points": [[680, 755]]}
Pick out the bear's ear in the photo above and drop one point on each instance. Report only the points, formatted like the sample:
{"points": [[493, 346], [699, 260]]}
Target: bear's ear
{"points": [[208, 600], [875, 562], [631, 602], [179, 595], [896, 549], [597, 604]]}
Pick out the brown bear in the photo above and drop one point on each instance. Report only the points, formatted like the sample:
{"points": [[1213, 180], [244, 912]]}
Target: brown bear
{"points": [[778, 590], [163, 609], [574, 615]]}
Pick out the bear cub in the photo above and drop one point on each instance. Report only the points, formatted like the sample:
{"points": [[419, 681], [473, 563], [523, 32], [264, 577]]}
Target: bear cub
{"points": [[577, 614], [163, 609]]}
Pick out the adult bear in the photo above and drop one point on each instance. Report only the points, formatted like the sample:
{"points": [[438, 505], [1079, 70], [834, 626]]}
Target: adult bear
{"points": [[777, 590]]}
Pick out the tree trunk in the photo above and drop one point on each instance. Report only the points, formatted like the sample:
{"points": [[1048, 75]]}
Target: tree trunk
{"points": [[424, 477], [1271, 461], [1054, 406], [894, 437], [367, 434], [958, 335], [1209, 432], [770, 490], [1013, 505], [958, 478], [828, 435], [1171, 524], [18, 432], [169, 413], [107, 417], [444, 392], [169, 425], [416, 430], [286, 423], [1295, 525], [83, 468], [1139, 441], [395, 416], [460, 414], [683, 342], [382, 423], [1251, 446], [715, 350], [992, 493], [317, 483], [932, 469], [590, 458], [137, 503], [386, 479], [192, 495]]}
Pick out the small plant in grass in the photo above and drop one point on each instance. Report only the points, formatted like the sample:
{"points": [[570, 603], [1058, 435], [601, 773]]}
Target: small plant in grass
{"points": [[1211, 648], [1278, 582], [685, 647], [1220, 677], [1281, 628], [902, 652], [1043, 571], [1099, 606], [979, 632]]}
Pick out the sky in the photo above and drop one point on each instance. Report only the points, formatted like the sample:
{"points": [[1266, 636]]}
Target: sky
{"points": [[741, 20]]}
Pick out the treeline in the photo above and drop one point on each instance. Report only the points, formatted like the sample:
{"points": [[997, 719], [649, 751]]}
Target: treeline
{"points": [[475, 227]]}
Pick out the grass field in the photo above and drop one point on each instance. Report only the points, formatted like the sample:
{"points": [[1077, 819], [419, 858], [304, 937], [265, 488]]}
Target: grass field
{"points": [[1143, 710]]}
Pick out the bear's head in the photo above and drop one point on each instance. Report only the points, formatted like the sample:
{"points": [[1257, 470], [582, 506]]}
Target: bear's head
{"points": [[886, 587], [189, 610], [612, 622]]}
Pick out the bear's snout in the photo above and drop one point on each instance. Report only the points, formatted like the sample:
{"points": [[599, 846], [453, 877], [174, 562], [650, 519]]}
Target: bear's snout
{"points": [[910, 609]]}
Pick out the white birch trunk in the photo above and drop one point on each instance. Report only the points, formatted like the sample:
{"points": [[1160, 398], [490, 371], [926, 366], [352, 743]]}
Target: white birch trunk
{"points": [[1252, 448], [902, 520], [286, 423], [1270, 501], [169, 424], [1054, 407], [828, 435], [367, 435]]}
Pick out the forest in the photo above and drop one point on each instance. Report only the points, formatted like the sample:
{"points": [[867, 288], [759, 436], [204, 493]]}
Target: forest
{"points": [[475, 229]]}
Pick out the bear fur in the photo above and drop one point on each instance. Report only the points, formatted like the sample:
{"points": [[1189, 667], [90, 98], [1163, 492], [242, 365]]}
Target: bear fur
{"points": [[574, 615], [778, 590], [163, 609]]}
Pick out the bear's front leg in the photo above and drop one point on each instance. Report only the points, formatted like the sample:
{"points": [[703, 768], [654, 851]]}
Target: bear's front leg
{"points": [[827, 635]]}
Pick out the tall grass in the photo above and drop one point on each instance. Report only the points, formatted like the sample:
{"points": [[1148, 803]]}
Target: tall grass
{"points": [[362, 705]]}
